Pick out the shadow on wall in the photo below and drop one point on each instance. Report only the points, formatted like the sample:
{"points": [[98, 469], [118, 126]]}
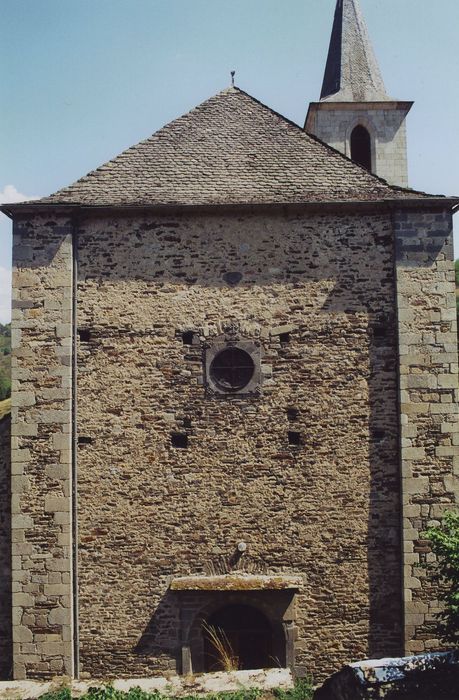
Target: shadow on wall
{"points": [[5, 550], [161, 634]]}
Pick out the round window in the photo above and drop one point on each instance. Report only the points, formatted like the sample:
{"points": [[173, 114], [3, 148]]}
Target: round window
{"points": [[232, 369]]}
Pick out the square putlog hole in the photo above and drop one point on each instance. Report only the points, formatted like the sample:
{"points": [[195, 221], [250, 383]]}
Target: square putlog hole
{"points": [[292, 414], [179, 440], [188, 337], [84, 335], [84, 440], [294, 438]]}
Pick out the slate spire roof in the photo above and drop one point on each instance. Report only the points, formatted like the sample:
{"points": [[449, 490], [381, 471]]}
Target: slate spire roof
{"points": [[231, 149], [352, 73]]}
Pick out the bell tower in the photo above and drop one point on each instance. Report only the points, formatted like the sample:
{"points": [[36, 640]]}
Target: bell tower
{"points": [[355, 115]]}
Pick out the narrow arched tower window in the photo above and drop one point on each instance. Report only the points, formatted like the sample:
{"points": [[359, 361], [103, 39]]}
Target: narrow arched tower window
{"points": [[361, 146]]}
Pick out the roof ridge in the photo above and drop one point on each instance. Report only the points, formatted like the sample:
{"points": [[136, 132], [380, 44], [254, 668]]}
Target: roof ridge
{"points": [[270, 109]]}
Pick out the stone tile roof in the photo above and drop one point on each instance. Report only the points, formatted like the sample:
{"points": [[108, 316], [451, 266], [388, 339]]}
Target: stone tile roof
{"points": [[352, 72], [231, 149]]}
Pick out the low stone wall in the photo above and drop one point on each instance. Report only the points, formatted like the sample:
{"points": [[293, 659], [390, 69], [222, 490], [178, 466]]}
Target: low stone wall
{"points": [[424, 677], [176, 686]]}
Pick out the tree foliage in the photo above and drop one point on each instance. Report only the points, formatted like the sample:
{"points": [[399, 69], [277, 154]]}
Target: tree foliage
{"points": [[5, 387], [5, 361], [444, 541]]}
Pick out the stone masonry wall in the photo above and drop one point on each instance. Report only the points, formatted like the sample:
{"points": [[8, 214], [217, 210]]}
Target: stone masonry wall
{"points": [[317, 293], [426, 303], [388, 136], [6, 642], [41, 458]]}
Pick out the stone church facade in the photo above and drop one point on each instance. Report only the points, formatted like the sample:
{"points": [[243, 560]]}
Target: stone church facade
{"points": [[234, 393]]}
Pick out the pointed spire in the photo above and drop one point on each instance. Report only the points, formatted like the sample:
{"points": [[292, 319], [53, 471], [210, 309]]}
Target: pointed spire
{"points": [[352, 73]]}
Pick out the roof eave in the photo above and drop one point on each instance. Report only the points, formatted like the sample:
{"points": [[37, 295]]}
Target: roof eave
{"points": [[390, 203]]}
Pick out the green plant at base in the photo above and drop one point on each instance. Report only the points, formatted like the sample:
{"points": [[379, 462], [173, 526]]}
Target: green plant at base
{"points": [[302, 690], [444, 541], [108, 692], [61, 694]]}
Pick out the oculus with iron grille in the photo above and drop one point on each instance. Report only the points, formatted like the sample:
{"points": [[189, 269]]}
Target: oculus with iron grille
{"points": [[233, 368]]}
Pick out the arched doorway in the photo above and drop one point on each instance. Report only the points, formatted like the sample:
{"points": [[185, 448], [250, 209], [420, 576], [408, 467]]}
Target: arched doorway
{"points": [[361, 146], [249, 635]]}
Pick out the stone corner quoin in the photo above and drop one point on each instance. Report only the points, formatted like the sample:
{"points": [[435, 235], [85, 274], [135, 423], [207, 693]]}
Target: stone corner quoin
{"points": [[41, 482], [428, 376]]}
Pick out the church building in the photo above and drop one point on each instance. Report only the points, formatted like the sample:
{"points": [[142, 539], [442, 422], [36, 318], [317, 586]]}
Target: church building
{"points": [[234, 394]]}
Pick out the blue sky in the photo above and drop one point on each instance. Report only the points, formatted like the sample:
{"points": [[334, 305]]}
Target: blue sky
{"points": [[84, 79]]}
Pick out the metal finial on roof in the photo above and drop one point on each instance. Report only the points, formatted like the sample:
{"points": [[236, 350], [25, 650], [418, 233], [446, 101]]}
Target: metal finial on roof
{"points": [[233, 73]]}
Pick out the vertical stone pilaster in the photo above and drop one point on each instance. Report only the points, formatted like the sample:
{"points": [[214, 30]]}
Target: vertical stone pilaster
{"points": [[429, 430], [41, 448]]}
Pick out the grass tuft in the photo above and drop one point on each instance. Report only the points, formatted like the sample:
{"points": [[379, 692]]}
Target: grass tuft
{"points": [[224, 653]]}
